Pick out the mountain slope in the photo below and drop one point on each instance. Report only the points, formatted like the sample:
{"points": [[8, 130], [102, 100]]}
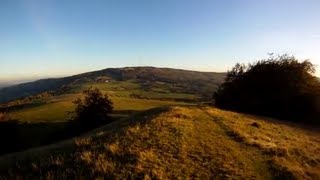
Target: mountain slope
{"points": [[178, 142], [2, 85], [203, 83]]}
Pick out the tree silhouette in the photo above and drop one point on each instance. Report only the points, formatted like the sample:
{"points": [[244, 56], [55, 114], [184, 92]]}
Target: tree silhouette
{"points": [[280, 86], [94, 109]]}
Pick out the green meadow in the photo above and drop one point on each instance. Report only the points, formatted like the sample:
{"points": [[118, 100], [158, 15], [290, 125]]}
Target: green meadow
{"points": [[127, 97]]}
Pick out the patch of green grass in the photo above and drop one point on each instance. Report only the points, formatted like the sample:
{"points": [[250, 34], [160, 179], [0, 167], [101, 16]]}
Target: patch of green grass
{"points": [[129, 88], [121, 93], [109, 86], [173, 96], [56, 110], [50, 112], [141, 104]]}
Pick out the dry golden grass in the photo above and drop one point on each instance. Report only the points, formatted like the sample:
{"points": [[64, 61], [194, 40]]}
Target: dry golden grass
{"points": [[294, 150], [178, 143]]}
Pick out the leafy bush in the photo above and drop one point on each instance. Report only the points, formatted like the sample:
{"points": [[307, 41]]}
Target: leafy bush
{"points": [[94, 109], [280, 86]]}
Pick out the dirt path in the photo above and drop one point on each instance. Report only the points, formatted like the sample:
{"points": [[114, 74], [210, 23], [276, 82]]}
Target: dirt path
{"points": [[232, 157]]}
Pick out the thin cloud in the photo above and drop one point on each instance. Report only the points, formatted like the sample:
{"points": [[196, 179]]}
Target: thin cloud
{"points": [[315, 36]]}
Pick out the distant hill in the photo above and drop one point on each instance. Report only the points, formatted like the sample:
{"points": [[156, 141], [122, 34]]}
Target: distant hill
{"points": [[11, 82], [202, 83], [2, 85]]}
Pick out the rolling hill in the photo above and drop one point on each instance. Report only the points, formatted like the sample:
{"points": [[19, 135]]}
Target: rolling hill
{"points": [[43, 117], [159, 131], [178, 142], [202, 83], [4, 84]]}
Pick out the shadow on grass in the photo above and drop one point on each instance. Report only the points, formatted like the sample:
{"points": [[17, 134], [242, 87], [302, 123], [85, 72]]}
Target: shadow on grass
{"points": [[123, 113], [22, 106], [16, 136]]}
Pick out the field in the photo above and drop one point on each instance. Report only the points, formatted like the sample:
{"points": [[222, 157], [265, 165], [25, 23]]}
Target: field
{"points": [[46, 118], [126, 96], [58, 111], [179, 142]]}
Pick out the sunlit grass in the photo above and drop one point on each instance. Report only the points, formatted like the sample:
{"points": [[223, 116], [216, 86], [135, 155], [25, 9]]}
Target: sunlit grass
{"points": [[51, 112], [295, 149], [178, 142], [167, 143], [58, 110]]}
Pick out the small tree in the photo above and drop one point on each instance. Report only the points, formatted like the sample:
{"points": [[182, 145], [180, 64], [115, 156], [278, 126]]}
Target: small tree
{"points": [[93, 110]]}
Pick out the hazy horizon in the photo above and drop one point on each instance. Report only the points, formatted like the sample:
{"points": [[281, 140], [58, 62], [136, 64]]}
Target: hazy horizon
{"points": [[58, 38], [18, 80]]}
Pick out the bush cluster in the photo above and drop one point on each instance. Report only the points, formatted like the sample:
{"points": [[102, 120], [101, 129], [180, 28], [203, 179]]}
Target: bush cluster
{"points": [[280, 86]]}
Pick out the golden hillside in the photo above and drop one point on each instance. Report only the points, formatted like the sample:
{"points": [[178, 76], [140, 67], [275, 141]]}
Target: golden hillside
{"points": [[178, 142]]}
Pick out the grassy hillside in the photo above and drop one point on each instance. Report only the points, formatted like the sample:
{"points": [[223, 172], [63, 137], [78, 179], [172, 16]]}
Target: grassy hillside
{"points": [[44, 118], [178, 81], [178, 142]]}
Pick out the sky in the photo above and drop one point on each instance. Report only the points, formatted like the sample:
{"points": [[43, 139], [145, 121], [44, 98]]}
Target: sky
{"points": [[53, 38]]}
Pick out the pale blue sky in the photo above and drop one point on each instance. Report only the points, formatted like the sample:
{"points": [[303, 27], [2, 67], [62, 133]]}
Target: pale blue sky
{"points": [[41, 38]]}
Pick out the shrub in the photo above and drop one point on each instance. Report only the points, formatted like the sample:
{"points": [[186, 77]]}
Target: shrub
{"points": [[280, 86], [9, 134], [4, 117], [93, 110]]}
